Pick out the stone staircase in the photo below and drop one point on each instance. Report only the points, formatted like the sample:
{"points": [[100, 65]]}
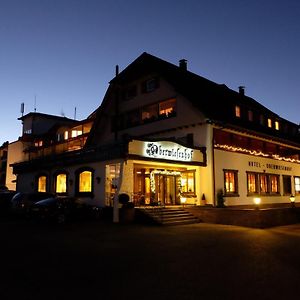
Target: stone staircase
{"points": [[168, 216]]}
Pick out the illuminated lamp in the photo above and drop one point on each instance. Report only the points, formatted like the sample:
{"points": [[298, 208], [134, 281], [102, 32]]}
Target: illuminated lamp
{"points": [[257, 202], [183, 200], [292, 199]]}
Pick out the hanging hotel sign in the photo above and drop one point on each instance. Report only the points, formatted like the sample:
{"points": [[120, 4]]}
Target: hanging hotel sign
{"points": [[165, 150]]}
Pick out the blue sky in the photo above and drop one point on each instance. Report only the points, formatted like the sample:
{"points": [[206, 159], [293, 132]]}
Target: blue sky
{"points": [[63, 52]]}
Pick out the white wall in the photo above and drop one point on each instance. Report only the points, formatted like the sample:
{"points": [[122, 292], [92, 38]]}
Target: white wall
{"points": [[240, 162]]}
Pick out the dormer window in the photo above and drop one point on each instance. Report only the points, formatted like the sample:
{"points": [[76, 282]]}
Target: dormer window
{"points": [[261, 119], [150, 85], [250, 115], [269, 123], [276, 125], [237, 111]]}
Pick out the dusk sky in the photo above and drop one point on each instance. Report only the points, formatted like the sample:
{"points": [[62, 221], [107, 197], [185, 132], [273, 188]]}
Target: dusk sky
{"points": [[61, 54]]}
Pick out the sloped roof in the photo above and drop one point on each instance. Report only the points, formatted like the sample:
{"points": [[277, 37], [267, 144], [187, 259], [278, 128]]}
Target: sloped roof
{"points": [[203, 93], [215, 100]]}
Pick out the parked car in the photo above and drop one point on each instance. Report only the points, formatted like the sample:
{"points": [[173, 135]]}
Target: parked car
{"points": [[21, 202], [5, 201], [62, 209]]}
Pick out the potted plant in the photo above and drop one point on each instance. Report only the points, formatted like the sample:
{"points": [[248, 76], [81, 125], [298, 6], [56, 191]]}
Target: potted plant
{"points": [[127, 211], [220, 199]]}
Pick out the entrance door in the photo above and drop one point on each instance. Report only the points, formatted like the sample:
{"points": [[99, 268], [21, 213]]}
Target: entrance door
{"points": [[166, 187]]}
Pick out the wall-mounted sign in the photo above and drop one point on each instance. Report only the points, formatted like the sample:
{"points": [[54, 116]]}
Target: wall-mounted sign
{"points": [[165, 150]]}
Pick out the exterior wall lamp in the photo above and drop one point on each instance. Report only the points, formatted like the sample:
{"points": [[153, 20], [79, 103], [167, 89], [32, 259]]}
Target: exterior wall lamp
{"points": [[292, 199], [256, 202]]}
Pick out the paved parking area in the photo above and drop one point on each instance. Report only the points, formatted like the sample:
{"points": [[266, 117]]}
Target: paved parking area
{"points": [[97, 260]]}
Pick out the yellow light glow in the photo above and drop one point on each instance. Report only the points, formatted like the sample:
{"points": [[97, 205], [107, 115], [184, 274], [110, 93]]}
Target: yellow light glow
{"points": [[292, 198], [257, 201], [256, 153], [183, 200]]}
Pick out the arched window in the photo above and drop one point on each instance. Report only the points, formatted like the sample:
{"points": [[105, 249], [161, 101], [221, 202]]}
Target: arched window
{"points": [[84, 181], [42, 183], [61, 183]]}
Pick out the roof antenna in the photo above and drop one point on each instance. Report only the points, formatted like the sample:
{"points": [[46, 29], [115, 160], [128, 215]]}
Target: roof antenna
{"points": [[34, 103], [75, 113], [22, 108]]}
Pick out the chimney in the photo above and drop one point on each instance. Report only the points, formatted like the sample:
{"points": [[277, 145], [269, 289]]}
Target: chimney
{"points": [[242, 90], [117, 70], [183, 64]]}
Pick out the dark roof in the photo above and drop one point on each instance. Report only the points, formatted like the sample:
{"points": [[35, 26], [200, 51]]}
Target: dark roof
{"points": [[215, 100]]}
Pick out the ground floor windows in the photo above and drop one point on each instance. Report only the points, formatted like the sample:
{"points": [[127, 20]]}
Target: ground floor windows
{"points": [[42, 184], [231, 182], [297, 184], [61, 183], [188, 182], [85, 181], [153, 186], [261, 183]]}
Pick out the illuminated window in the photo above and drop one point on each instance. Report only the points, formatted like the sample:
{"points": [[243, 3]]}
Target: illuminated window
{"points": [[188, 182], [269, 123], [252, 185], [297, 185], [66, 135], [167, 108], [230, 182], [250, 115], [85, 181], [276, 125], [42, 184], [61, 183], [76, 133], [237, 111], [263, 183], [274, 184], [38, 143]]}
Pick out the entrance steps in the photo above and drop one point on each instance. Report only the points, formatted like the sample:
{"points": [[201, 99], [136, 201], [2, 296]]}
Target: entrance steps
{"points": [[167, 215]]}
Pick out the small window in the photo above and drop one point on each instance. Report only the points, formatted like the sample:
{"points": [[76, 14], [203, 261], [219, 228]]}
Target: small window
{"points": [[66, 135], [261, 120], [188, 182], [231, 182], [297, 184], [276, 125], [42, 184], [61, 183], [287, 186], [250, 115], [237, 111], [150, 85], [269, 123]]}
